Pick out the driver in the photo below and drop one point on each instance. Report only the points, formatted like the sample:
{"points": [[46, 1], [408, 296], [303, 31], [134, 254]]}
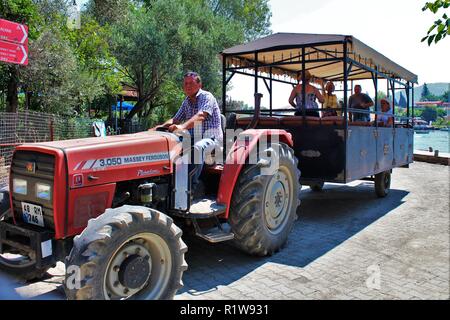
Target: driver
{"points": [[200, 115]]}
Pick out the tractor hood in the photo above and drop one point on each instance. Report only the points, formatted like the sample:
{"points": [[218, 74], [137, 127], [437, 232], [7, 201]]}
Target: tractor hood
{"points": [[94, 161]]}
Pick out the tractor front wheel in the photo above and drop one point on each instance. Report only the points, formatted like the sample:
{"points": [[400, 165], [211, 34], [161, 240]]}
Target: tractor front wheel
{"points": [[21, 266], [129, 252], [263, 207]]}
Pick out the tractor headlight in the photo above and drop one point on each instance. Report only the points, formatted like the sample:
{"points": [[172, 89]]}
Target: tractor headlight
{"points": [[43, 191], [20, 186]]}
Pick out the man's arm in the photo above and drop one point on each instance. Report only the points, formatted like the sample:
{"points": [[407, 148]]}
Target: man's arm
{"points": [[368, 102], [199, 117]]}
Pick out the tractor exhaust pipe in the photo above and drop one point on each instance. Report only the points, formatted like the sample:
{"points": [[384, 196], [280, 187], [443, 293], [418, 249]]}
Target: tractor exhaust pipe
{"points": [[257, 113]]}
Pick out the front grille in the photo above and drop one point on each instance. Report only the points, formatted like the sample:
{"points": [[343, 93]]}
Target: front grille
{"points": [[43, 173]]}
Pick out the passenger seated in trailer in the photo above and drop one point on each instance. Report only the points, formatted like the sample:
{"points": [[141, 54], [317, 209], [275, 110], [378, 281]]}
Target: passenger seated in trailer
{"points": [[387, 119], [331, 101], [312, 93], [360, 101]]}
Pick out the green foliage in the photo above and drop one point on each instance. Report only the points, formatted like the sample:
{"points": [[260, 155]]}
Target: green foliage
{"points": [[108, 11], [147, 44], [253, 16], [440, 26], [445, 96], [22, 11], [425, 91], [441, 122], [429, 114]]}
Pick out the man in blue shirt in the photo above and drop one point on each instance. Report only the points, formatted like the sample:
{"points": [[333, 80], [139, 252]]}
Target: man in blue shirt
{"points": [[360, 101]]}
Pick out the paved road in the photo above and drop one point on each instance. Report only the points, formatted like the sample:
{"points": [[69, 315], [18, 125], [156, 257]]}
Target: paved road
{"points": [[347, 244]]}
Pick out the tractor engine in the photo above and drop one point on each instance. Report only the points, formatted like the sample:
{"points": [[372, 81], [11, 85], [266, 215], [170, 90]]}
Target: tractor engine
{"points": [[57, 187]]}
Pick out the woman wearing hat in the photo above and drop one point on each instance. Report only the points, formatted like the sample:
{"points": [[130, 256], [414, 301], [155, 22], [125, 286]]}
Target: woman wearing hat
{"points": [[387, 119]]}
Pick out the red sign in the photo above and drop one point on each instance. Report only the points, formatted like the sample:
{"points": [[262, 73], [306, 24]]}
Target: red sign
{"points": [[13, 32], [13, 53]]}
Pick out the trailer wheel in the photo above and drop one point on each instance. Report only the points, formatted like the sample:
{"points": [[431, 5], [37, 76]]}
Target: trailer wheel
{"points": [[129, 252], [263, 207], [382, 183], [317, 187], [21, 266]]}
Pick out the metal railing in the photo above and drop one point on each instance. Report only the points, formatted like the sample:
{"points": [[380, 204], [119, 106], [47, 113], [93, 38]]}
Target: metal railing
{"points": [[28, 127]]}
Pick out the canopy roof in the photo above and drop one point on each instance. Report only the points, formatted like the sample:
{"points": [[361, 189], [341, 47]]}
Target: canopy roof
{"points": [[282, 52]]}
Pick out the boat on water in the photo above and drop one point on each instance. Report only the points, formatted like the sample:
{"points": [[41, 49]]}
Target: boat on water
{"points": [[445, 129], [421, 126]]}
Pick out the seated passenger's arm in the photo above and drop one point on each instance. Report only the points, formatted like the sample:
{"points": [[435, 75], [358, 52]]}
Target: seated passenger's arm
{"points": [[368, 102], [292, 97]]}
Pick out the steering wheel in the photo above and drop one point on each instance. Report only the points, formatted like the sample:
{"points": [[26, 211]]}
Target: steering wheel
{"points": [[163, 129]]}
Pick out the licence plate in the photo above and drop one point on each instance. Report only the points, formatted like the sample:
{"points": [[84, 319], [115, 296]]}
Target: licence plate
{"points": [[32, 214]]}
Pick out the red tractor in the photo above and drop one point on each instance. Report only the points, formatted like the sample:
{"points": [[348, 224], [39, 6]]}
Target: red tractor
{"points": [[113, 209]]}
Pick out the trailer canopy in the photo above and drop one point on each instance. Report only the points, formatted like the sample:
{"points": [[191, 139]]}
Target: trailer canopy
{"points": [[283, 52]]}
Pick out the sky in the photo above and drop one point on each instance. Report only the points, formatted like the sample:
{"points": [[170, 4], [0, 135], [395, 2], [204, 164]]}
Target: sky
{"points": [[392, 27]]}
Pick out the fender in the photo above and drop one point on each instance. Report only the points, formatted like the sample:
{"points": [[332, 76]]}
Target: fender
{"points": [[241, 150]]}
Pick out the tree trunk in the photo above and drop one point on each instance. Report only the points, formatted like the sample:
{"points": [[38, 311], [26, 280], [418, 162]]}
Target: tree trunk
{"points": [[12, 100]]}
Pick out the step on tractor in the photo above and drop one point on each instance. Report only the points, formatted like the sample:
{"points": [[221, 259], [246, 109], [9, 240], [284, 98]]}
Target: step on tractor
{"points": [[113, 208]]}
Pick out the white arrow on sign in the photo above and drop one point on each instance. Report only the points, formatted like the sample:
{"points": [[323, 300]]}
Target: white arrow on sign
{"points": [[25, 34], [25, 55]]}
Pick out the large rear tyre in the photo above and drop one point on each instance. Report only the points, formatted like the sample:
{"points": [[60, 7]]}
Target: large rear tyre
{"points": [[382, 183], [263, 207], [129, 252]]}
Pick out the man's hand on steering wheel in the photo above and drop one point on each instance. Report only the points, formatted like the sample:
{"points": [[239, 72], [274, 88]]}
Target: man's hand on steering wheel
{"points": [[175, 128]]}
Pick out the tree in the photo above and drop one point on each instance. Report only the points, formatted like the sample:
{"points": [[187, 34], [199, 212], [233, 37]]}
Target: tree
{"points": [[440, 26], [149, 51], [54, 81], [108, 11], [253, 15], [152, 53], [402, 101], [445, 96], [425, 92], [429, 114]]}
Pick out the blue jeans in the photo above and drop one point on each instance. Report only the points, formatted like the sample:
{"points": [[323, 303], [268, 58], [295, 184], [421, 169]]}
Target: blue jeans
{"points": [[198, 156]]}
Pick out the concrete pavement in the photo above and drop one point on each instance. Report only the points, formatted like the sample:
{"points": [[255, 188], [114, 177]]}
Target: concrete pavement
{"points": [[347, 244]]}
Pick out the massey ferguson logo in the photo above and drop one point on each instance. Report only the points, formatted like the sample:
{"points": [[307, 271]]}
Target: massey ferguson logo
{"points": [[147, 172], [31, 167]]}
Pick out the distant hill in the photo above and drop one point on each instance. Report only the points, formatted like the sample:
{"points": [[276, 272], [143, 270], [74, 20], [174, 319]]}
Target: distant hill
{"points": [[437, 89]]}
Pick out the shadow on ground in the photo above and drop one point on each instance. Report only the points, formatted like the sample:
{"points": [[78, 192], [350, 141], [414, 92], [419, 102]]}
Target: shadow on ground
{"points": [[326, 219]]}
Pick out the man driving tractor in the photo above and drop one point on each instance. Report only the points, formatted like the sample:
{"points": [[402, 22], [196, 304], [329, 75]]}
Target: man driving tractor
{"points": [[199, 114]]}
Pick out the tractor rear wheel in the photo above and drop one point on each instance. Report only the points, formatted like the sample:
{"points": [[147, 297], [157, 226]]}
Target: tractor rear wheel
{"points": [[129, 252], [263, 207], [317, 187]]}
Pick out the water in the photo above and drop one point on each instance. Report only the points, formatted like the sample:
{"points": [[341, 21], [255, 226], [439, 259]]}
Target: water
{"points": [[438, 140]]}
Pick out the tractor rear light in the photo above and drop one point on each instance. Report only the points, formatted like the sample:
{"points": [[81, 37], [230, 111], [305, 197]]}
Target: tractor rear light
{"points": [[43, 191], [20, 186]]}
